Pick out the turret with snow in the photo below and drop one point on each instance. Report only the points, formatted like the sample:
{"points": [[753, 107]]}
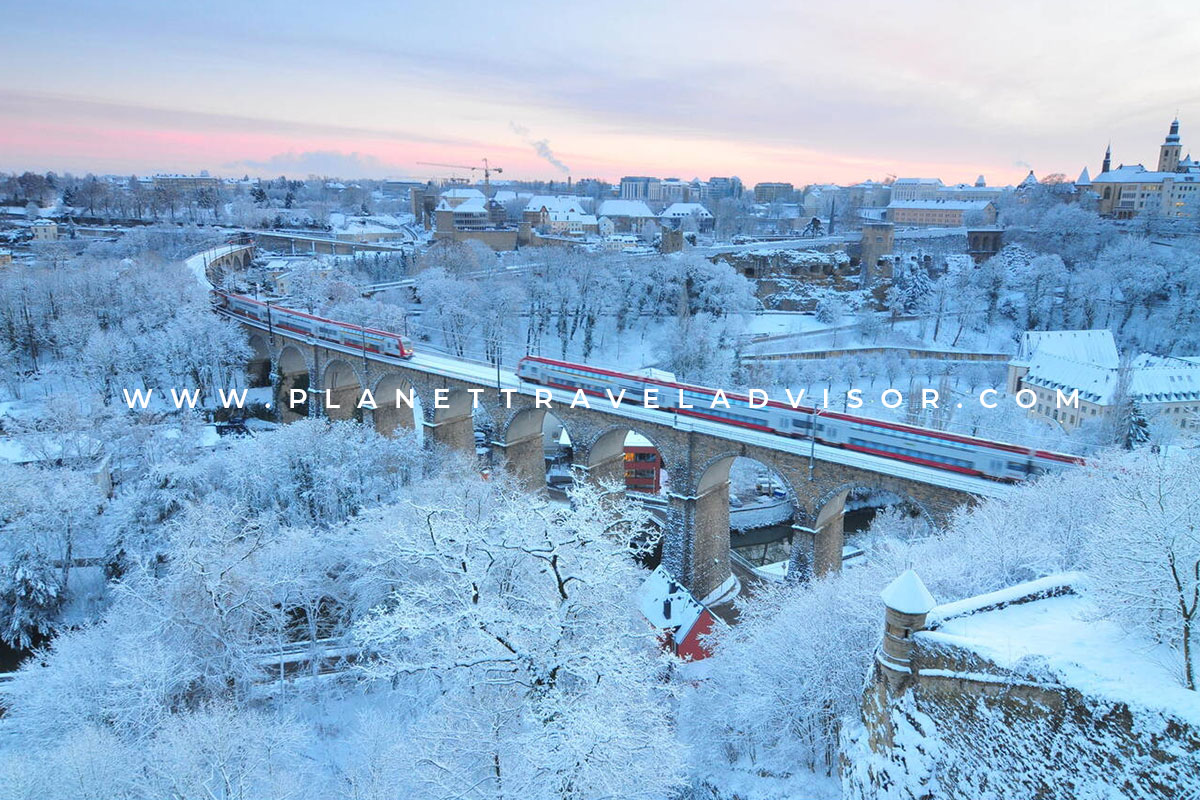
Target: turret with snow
{"points": [[908, 604]]}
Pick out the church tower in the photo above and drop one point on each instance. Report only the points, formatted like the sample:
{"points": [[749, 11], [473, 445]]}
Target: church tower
{"points": [[1168, 152], [1107, 160]]}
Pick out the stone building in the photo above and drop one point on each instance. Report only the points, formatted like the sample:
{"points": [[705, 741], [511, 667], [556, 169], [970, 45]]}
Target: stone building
{"points": [[45, 230], [770, 191], [878, 242], [946, 213], [1171, 191], [627, 216], [474, 219], [983, 243]]}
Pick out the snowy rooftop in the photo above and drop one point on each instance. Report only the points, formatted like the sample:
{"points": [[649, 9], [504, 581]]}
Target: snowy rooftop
{"points": [[1088, 347], [624, 208], [504, 195], [472, 205], [1088, 361], [1139, 174], [462, 193], [954, 205], [1155, 379], [676, 210], [667, 604], [572, 216], [918, 182], [908, 595], [554, 203], [1095, 383], [633, 439], [1063, 634]]}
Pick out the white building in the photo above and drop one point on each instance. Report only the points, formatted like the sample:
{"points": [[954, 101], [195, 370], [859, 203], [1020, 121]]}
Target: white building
{"points": [[1053, 364], [626, 215], [677, 214]]}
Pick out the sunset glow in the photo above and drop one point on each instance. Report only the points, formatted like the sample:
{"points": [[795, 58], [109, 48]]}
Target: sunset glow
{"points": [[795, 92]]}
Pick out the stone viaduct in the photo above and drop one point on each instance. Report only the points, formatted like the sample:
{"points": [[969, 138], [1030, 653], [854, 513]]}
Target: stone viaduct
{"points": [[696, 545]]}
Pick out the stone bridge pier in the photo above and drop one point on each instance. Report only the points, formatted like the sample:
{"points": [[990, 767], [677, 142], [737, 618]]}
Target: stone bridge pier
{"points": [[524, 449], [399, 406], [258, 368], [453, 422], [697, 543]]}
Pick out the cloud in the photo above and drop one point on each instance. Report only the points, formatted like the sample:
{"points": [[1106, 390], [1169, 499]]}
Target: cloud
{"points": [[88, 112], [326, 163], [1023, 164], [541, 147]]}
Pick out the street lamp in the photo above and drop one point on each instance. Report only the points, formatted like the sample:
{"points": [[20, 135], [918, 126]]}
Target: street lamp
{"points": [[498, 392], [812, 432]]}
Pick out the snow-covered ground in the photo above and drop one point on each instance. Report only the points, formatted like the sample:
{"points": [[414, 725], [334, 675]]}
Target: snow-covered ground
{"points": [[1067, 636]]}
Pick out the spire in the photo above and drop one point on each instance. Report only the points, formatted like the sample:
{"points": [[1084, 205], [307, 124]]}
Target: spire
{"points": [[1107, 159], [1173, 132], [1168, 152]]}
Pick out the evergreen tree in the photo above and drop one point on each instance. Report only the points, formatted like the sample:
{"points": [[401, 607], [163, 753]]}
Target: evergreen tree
{"points": [[1136, 427]]}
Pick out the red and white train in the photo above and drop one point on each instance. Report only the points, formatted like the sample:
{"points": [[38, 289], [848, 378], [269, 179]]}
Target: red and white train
{"points": [[963, 454], [967, 455], [292, 321]]}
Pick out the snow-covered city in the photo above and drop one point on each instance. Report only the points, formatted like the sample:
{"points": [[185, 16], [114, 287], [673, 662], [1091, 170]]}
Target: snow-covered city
{"points": [[389, 409]]}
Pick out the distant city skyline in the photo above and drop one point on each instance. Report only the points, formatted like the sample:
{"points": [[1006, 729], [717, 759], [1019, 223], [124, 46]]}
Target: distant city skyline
{"points": [[794, 92]]}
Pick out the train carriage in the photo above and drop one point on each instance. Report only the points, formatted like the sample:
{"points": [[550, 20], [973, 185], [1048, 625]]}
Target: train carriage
{"points": [[339, 333], [963, 454]]}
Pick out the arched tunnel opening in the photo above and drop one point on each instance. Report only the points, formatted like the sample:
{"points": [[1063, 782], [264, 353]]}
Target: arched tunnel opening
{"points": [[258, 369], [392, 413], [291, 374], [761, 515], [873, 517], [342, 392]]}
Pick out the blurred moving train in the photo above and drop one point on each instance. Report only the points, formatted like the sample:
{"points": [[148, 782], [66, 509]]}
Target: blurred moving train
{"points": [[967, 455], [342, 333], [963, 454]]}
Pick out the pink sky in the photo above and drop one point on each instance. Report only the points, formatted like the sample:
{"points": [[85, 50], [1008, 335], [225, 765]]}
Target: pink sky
{"points": [[791, 91]]}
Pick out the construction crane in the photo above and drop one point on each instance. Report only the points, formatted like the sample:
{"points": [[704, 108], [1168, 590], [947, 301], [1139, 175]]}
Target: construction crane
{"points": [[487, 169]]}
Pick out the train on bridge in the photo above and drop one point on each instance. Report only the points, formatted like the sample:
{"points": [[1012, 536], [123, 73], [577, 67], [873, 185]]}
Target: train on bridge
{"points": [[963, 454], [328, 330], [967, 455]]}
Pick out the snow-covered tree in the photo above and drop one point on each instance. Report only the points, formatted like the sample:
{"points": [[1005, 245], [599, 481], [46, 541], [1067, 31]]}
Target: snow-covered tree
{"points": [[694, 348], [1144, 552], [550, 687]]}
